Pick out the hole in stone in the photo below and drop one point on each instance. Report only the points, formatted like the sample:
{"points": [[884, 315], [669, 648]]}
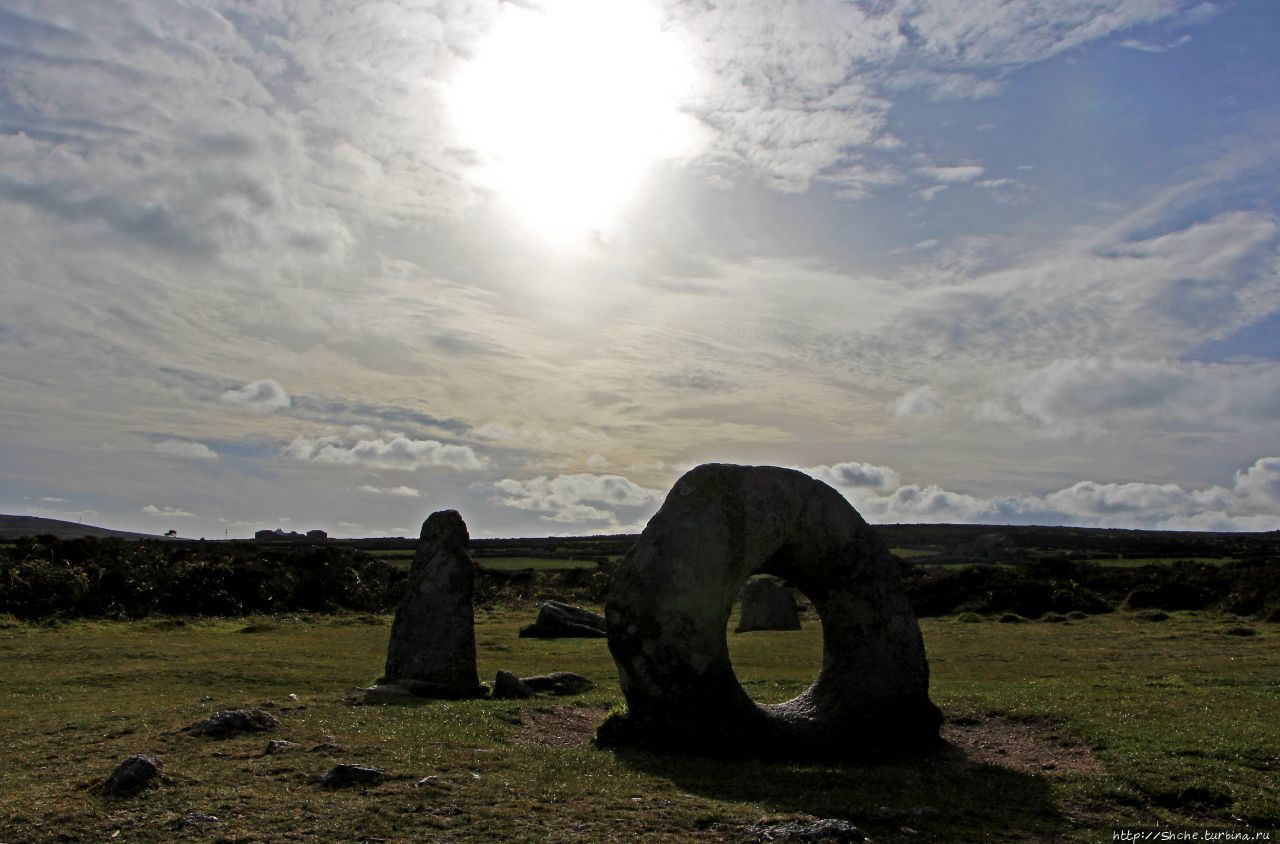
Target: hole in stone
{"points": [[774, 666]]}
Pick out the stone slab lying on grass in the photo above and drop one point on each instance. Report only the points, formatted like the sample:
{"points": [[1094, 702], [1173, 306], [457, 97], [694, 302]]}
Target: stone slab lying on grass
{"points": [[229, 722], [132, 775], [507, 686], [558, 683], [558, 620], [342, 776]]}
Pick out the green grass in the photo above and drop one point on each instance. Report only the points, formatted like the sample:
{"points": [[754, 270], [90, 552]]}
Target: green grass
{"points": [[909, 553], [404, 558], [1181, 716], [1135, 562]]}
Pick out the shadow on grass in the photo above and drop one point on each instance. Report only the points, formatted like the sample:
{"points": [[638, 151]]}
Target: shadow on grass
{"points": [[936, 795]]}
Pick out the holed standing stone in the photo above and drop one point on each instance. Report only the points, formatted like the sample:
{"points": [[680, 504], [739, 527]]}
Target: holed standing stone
{"points": [[432, 652], [669, 603]]}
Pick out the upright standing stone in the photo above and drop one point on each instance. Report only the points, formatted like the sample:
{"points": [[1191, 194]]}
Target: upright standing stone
{"points": [[432, 652], [766, 605]]}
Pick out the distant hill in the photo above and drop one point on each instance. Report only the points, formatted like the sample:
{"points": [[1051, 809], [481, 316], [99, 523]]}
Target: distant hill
{"points": [[15, 527]]}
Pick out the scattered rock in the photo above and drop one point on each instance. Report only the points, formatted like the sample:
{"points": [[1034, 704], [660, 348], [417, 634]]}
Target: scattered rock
{"points": [[767, 605], [428, 782], [508, 686], [558, 683], [276, 746], [969, 618], [1054, 618], [292, 698], [827, 829], [1152, 615], [432, 651], [132, 775], [229, 722], [1240, 630], [1012, 618], [1076, 615], [670, 595], [193, 819], [558, 620], [329, 748], [342, 776]]}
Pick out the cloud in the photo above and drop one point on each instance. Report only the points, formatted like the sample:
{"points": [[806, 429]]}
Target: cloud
{"points": [[919, 403], [185, 448], [52, 499], [1087, 396], [1150, 47], [402, 491], [1260, 483], [1252, 505], [361, 447], [262, 396], [167, 512], [579, 498], [952, 175], [857, 476], [791, 97]]}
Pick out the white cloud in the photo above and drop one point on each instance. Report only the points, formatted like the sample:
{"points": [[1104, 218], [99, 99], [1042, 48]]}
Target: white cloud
{"points": [[919, 403], [401, 491], [1087, 396], [1260, 483], [185, 448], [262, 396], [52, 499], [389, 450], [579, 498], [953, 174], [167, 512], [931, 193], [1253, 505], [857, 476], [793, 94], [1151, 47]]}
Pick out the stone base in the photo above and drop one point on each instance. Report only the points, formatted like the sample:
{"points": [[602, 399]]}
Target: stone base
{"points": [[772, 734]]}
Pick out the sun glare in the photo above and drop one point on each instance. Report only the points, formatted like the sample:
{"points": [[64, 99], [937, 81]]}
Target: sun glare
{"points": [[568, 105]]}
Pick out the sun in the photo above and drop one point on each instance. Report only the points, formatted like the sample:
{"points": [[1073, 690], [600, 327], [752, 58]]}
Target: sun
{"points": [[568, 105]]}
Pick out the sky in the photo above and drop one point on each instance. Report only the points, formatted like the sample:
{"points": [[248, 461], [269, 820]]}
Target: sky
{"points": [[299, 264]]}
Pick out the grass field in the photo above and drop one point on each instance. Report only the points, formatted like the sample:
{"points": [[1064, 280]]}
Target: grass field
{"points": [[1135, 562], [1105, 722], [404, 558]]}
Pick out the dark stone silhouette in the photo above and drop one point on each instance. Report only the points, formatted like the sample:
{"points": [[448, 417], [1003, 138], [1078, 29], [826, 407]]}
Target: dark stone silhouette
{"points": [[230, 722], [432, 652], [508, 686], [670, 599], [342, 776], [557, 620], [767, 606], [558, 683], [132, 775]]}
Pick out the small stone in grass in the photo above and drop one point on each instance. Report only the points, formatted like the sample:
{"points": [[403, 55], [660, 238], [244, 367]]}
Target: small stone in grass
{"points": [[341, 776]]}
